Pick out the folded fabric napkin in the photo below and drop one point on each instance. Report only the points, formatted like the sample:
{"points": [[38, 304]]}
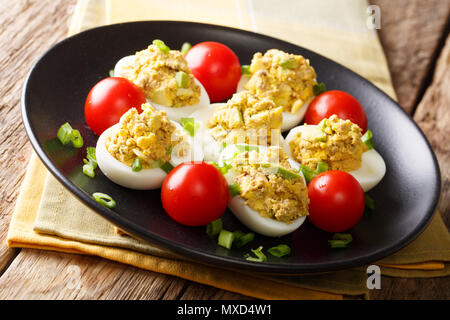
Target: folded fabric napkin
{"points": [[47, 216]]}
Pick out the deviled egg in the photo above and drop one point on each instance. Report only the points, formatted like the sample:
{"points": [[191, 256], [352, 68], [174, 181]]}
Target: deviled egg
{"points": [[272, 195], [243, 119], [166, 80], [138, 152], [337, 143], [284, 78]]}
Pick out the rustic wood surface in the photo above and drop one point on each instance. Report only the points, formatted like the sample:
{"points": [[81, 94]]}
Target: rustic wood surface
{"points": [[412, 34]]}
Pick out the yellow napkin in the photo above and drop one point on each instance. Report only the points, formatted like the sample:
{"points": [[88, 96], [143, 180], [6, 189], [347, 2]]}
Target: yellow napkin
{"points": [[64, 224]]}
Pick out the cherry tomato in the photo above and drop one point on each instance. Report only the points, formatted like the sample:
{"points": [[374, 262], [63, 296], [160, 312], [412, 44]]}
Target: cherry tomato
{"points": [[336, 201], [217, 68], [195, 193], [108, 100], [339, 103]]}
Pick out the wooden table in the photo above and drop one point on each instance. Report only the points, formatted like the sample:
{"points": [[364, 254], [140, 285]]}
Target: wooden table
{"points": [[414, 34]]}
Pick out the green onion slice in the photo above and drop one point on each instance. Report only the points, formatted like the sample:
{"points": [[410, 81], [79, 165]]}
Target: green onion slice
{"points": [[319, 88], [182, 79], [77, 139], [225, 238], [167, 167], [234, 189], [161, 45], [65, 133], [245, 69], [367, 139], [340, 240], [214, 227], [104, 199], [241, 239], [137, 165], [91, 155], [185, 48], [88, 170], [307, 173], [370, 203], [280, 250], [244, 148], [260, 256], [190, 125], [289, 64], [287, 174], [321, 167]]}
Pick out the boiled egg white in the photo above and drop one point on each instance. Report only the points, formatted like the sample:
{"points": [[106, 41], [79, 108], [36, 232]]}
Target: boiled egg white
{"points": [[145, 179], [249, 217], [174, 114], [373, 167], [290, 119]]}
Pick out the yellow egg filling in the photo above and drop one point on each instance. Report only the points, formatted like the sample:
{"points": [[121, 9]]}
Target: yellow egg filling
{"points": [[148, 135], [284, 78], [334, 141], [164, 77]]}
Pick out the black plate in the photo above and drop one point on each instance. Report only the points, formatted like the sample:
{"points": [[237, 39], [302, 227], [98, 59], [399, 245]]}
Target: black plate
{"points": [[59, 82]]}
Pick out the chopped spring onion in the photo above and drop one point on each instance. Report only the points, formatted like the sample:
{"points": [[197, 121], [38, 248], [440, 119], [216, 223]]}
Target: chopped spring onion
{"points": [[340, 240], [88, 170], [225, 238], [182, 79], [214, 227], [370, 203], [319, 88], [156, 164], [289, 64], [190, 125], [287, 174], [161, 45], [244, 148], [91, 155], [185, 48], [90, 164], [321, 167], [224, 169], [111, 73], [234, 189], [260, 256], [280, 250], [137, 165], [167, 167], [65, 133], [77, 139], [241, 239], [245, 69], [307, 173], [367, 139], [104, 199]]}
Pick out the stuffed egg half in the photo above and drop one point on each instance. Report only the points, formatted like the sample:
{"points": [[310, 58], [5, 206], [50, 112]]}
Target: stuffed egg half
{"points": [[138, 152], [338, 143], [244, 119], [166, 80], [286, 79], [272, 197]]}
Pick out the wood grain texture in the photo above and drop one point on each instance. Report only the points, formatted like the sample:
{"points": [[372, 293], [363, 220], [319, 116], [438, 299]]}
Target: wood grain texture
{"points": [[37, 274], [433, 117], [28, 28], [410, 33]]}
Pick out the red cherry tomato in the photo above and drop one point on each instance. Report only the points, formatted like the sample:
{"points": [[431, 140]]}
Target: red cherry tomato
{"points": [[216, 67], [195, 193], [108, 100], [336, 201], [339, 103]]}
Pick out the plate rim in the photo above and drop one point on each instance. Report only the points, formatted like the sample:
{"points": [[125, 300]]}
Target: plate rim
{"points": [[205, 257]]}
